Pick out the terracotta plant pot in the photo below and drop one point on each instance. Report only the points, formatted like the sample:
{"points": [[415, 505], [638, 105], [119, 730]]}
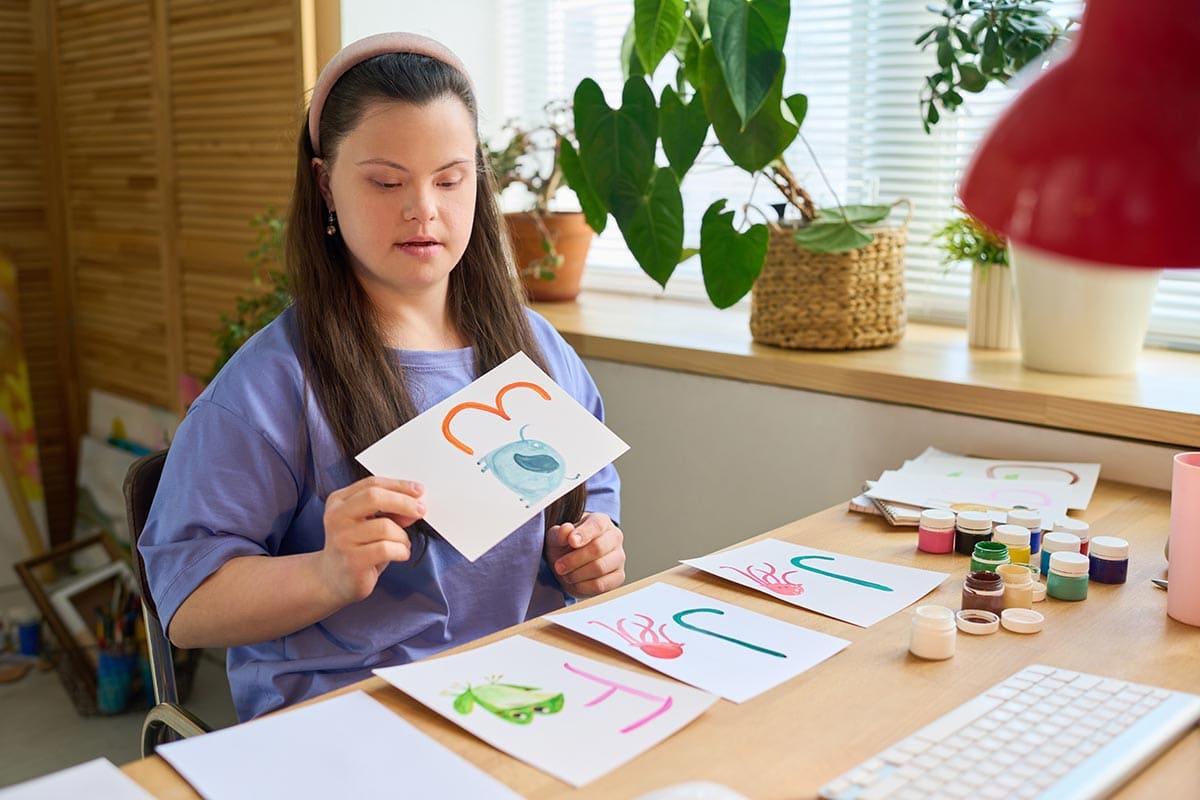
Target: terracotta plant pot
{"points": [[571, 237]]}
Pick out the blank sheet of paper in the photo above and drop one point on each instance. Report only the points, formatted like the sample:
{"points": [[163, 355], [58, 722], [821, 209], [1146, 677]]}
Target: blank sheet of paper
{"points": [[347, 746], [98, 779]]}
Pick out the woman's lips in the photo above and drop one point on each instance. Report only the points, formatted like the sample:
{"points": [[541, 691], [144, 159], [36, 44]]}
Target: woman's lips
{"points": [[420, 249]]}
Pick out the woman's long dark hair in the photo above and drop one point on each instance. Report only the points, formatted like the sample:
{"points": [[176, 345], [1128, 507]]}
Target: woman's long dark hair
{"points": [[359, 385]]}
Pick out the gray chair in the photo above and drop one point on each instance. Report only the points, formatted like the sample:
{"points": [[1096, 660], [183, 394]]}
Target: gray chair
{"points": [[168, 720]]}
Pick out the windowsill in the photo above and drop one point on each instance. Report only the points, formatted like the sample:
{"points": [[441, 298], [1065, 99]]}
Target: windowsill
{"points": [[931, 367]]}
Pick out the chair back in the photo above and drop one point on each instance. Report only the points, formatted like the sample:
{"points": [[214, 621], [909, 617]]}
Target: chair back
{"points": [[141, 482]]}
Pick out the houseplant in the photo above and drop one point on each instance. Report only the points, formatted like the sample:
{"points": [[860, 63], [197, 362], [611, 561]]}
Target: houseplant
{"points": [[269, 297], [550, 246], [729, 77], [977, 43], [991, 317]]}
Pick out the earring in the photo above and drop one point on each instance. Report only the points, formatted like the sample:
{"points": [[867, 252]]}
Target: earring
{"points": [[331, 224]]}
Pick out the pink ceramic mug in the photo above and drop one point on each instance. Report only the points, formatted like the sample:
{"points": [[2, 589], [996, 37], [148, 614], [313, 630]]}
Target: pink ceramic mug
{"points": [[1183, 570]]}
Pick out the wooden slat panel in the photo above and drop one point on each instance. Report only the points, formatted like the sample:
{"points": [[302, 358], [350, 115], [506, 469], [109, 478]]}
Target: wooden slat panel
{"points": [[236, 107], [27, 234]]}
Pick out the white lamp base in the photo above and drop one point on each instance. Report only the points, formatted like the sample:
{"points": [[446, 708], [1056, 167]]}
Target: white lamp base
{"points": [[1080, 317]]}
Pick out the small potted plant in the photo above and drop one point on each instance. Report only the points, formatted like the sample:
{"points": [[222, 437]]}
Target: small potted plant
{"points": [[992, 315], [826, 280], [550, 246]]}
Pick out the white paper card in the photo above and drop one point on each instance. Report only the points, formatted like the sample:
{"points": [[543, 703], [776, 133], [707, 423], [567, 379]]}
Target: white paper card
{"points": [[992, 497], [714, 646], [1079, 477], [567, 715], [347, 746], [495, 453], [857, 590], [98, 779]]}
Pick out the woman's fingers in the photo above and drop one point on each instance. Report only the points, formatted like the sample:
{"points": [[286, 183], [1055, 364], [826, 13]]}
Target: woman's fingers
{"points": [[375, 496]]}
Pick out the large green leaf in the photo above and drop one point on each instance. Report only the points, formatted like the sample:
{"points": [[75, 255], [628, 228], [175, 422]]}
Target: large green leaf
{"points": [[832, 236], [855, 214], [730, 261], [616, 145], [798, 105], [656, 27], [652, 223], [684, 127], [631, 65], [764, 137], [748, 40], [594, 209]]}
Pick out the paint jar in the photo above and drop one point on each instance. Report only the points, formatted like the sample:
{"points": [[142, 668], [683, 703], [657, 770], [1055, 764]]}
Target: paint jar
{"points": [[971, 527], [1057, 542], [988, 556], [984, 590], [932, 633], [1068, 576], [936, 532], [1109, 560], [1077, 527], [1017, 538], [1030, 520], [1018, 585]]}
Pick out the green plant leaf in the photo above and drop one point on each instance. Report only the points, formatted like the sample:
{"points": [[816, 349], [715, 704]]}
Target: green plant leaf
{"points": [[856, 214], [832, 236], [631, 65], [684, 126], [798, 105], [730, 261], [687, 253], [616, 145], [595, 210], [748, 38], [656, 27], [971, 78], [652, 223], [764, 137]]}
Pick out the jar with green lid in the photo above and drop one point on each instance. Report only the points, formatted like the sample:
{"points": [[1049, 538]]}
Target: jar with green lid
{"points": [[989, 555], [1068, 576]]}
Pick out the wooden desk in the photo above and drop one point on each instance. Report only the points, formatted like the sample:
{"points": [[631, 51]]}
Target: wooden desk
{"points": [[789, 741]]}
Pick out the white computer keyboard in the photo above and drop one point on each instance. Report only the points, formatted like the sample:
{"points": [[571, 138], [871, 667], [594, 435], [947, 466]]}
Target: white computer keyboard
{"points": [[1043, 732]]}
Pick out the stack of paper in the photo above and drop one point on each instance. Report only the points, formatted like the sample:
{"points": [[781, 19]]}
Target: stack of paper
{"points": [[937, 479]]}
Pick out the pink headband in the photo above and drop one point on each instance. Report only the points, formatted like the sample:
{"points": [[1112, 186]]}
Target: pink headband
{"points": [[358, 52]]}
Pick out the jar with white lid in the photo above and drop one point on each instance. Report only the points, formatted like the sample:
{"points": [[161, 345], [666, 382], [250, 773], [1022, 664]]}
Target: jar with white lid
{"points": [[1031, 520], [1017, 538], [1057, 542], [932, 633], [1077, 527], [971, 528], [1109, 559], [1068, 576]]}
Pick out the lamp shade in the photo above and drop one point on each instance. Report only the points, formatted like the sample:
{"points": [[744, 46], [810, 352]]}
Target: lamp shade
{"points": [[1098, 159]]}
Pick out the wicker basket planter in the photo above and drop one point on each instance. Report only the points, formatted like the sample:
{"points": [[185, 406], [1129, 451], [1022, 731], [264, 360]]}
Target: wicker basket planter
{"points": [[831, 301]]}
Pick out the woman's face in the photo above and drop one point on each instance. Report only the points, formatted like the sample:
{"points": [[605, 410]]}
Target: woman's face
{"points": [[403, 186]]}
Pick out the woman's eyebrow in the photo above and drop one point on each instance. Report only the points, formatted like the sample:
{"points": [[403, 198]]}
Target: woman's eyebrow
{"points": [[385, 162]]}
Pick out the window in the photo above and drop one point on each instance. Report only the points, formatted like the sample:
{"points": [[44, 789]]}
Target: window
{"points": [[856, 61]]}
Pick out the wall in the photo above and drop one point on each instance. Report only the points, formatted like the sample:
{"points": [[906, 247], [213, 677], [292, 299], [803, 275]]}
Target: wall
{"points": [[713, 461]]}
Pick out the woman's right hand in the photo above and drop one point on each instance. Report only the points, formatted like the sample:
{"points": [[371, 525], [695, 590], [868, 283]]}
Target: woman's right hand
{"points": [[364, 533]]}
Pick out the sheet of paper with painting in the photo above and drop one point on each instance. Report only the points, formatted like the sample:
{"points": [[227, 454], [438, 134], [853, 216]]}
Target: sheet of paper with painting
{"points": [[495, 453], [714, 646], [347, 746], [565, 714], [993, 497], [1080, 478], [856, 590]]}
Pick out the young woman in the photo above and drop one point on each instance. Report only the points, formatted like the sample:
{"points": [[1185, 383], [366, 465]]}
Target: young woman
{"points": [[266, 536]]}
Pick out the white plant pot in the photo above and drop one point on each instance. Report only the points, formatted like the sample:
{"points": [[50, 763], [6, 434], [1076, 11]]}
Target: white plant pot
{"points": [[992, 317], [1080, 317]]}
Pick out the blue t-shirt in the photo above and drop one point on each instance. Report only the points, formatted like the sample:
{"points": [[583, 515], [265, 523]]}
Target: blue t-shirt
{"points": [[247, 474]]}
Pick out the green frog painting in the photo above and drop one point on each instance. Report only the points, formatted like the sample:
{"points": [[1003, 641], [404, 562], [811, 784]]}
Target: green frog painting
{"points": [[509, 702]]}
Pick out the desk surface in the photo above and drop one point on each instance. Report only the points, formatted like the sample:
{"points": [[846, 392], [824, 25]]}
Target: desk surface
{"points": [[789, 741]]}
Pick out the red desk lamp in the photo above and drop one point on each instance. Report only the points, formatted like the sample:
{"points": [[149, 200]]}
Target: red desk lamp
{"points": [[1093, 174]]}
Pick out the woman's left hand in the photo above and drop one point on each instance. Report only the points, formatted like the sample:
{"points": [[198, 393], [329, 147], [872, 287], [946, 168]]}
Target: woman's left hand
{"points": [[588, 558]]}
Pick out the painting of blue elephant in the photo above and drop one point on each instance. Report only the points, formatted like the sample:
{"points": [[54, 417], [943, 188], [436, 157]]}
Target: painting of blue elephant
{"points": [[530, 468]]}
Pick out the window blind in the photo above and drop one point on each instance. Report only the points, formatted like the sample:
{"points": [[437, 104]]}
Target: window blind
{"points": [[856, 62]]}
